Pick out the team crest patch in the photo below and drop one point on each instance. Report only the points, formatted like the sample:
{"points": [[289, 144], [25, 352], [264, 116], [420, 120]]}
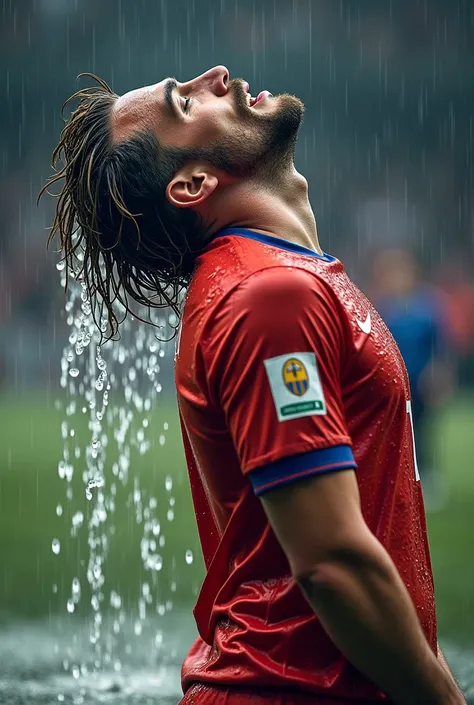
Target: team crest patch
{"points": [[295, 385], [295, 376]]}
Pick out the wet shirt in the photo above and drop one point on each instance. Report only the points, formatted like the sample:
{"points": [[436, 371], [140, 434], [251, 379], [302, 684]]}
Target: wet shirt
{"points": [[285, 370]]}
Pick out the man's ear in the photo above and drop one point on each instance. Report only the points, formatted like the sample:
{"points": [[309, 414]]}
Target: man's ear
{"points": [[190, 187]]}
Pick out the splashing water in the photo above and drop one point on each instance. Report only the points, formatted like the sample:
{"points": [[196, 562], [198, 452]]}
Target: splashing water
{"points": [[127, 369]]}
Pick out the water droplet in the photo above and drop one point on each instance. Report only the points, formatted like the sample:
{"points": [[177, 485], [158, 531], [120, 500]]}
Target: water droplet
{"points": [[70, 606], [95, 603], [95, 482], [77, 519], [115, 600], [59, 510], [56, 546], [74, 372], [60, 266], [189, 557], [154, 562]]}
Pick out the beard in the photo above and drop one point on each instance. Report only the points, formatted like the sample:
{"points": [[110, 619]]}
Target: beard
{"points": [[261, 146]]}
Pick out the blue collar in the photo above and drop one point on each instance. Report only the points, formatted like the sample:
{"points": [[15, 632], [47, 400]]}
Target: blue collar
{"points": [[274, 242]]}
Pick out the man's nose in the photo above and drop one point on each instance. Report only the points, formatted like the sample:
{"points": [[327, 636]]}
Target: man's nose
{"points": [[215, 80]]}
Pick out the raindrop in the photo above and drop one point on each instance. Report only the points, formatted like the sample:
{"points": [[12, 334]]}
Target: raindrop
{"points": [[189, 557], [70, 606], [59, 510], [56, 546], [74, 372]]}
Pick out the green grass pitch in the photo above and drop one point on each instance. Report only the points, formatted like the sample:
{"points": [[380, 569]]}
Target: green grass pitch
{"points": [[30, 490]]}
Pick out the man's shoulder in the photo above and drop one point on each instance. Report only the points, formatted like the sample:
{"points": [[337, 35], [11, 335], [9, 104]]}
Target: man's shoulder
{"points": [[245, 264], [256, 284]]}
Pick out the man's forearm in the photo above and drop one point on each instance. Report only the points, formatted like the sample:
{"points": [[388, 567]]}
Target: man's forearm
{"points": [[445, 665], [366, 610]]}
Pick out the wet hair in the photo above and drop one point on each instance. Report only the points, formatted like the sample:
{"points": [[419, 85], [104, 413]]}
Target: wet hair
{"points": [[117, 230]]}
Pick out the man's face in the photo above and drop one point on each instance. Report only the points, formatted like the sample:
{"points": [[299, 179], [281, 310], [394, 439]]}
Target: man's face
{"points": [[211, 116]]}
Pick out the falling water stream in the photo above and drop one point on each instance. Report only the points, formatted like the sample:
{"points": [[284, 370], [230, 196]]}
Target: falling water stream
{"points": [[115, 387]]}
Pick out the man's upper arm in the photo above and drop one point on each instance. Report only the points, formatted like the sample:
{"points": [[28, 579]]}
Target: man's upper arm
{"points": [[317, 520], [274, 353]]}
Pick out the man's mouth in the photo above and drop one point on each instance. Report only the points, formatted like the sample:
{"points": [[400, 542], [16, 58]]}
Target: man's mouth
{"points": [[251, 102]]}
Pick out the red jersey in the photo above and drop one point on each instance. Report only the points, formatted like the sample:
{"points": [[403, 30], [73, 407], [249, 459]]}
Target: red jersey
{"points": [[284, 370]]}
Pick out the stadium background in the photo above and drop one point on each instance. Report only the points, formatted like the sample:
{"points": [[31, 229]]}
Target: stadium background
{"points": [[387, 147]]}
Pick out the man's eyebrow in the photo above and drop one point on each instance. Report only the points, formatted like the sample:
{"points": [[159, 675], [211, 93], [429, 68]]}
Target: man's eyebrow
{"points": [[170, 85]]}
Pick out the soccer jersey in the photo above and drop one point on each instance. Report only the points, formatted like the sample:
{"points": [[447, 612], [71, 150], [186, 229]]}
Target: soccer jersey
{"points": [[284, 370]]}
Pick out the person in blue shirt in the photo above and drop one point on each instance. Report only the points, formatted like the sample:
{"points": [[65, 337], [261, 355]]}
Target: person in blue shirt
{"points": [[413, 312]]}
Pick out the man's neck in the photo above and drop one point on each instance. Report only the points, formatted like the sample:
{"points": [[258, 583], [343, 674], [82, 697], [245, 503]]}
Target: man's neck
{"points": [[282, 211]]}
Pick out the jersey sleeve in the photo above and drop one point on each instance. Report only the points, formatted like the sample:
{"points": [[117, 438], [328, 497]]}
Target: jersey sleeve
{"points": [[273, 352]]}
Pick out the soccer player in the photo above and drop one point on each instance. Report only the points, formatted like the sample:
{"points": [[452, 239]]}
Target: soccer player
{"points": [[413, 312], [293, 397]]}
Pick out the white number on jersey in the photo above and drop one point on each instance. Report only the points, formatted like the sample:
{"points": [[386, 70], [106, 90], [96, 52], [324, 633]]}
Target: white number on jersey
{"points": [[410, 414]]}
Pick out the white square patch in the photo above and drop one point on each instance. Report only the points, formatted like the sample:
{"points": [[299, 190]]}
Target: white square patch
{"points": [[295, 385]]}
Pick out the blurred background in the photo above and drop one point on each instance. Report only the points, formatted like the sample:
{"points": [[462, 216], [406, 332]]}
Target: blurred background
{"points": [[387, 148]]}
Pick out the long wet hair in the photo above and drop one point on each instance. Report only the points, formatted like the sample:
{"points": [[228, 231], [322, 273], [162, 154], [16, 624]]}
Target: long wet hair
{"points": [[117, 230]]}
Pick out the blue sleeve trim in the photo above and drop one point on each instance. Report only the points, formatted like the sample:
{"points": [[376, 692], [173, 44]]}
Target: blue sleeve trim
{"points": [[297, 467]]}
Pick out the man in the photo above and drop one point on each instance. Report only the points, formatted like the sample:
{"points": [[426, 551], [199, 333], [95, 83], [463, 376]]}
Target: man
{"points": [[413, 312], [319, 585]]}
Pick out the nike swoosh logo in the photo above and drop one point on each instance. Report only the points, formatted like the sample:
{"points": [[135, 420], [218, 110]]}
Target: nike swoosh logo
{"points": [[365, 326]]}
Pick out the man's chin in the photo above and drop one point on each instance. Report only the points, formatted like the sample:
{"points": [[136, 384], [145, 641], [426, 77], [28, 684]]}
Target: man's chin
{"points": [[288, 118]]}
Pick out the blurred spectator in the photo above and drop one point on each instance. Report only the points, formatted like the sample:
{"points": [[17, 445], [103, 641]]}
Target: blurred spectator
{"points": [[458, 288], [413, 311]]}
